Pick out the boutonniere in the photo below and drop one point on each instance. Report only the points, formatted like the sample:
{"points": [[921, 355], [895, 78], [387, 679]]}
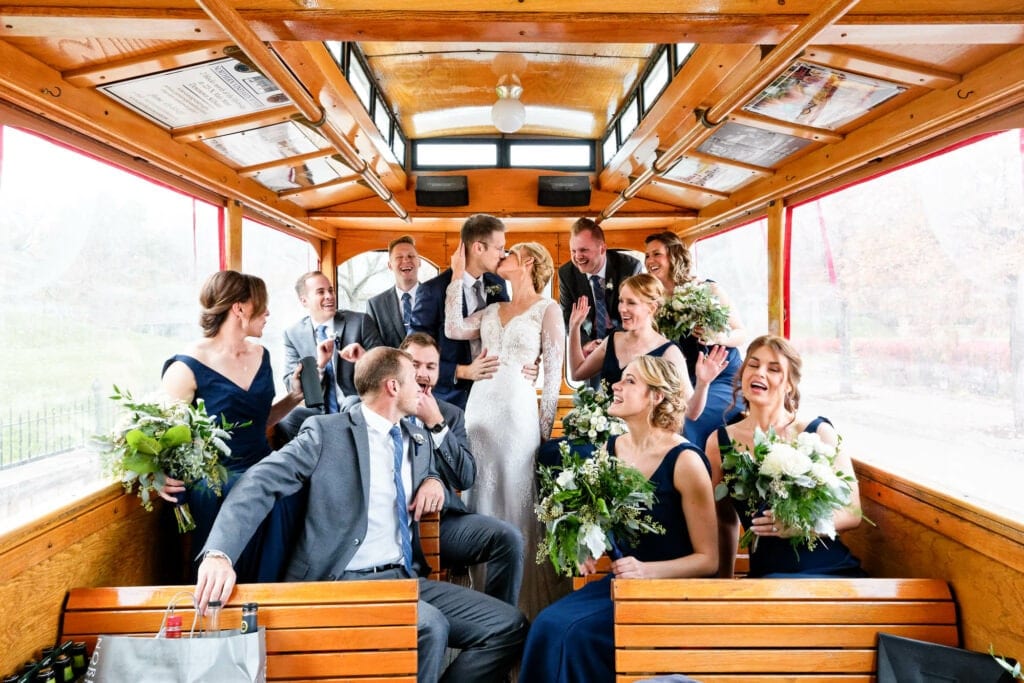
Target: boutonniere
{"points": [[609, 285], [493, 290], [418, 438]]}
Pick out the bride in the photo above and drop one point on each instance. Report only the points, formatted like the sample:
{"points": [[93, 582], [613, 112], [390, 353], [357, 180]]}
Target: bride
{"points": [[503, 422]]}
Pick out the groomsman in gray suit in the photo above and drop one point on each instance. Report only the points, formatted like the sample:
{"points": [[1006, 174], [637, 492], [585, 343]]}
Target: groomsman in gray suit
{"points": [[391, 310], [314, 335], [361, 468], [466, 538]]}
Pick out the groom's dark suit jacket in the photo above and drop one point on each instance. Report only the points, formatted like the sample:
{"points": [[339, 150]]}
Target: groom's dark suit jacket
{"points": [[428, 316], [572, 284], [331, 455]]}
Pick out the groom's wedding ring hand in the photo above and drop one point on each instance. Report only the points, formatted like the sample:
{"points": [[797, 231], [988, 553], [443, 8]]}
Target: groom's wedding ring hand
{"points": [[482, 367]]}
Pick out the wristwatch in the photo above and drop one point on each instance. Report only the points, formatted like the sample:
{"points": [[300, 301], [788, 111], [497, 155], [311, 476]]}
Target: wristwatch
{"points": [[439, 427]]}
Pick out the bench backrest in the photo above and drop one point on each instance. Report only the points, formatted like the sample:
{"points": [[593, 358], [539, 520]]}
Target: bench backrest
{"points": [[748, 629], [340, 630]]}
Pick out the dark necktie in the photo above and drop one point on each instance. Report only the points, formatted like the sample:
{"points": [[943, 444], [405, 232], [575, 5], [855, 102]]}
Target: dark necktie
{"points": [[330, 398], [481, 297], [600, 308], [407, 312], [400, 503]]}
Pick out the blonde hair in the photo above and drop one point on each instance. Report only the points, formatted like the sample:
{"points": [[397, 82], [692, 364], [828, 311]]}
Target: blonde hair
{"points": [[679, 259], [663, 376], [649, 289], [543, 265]]}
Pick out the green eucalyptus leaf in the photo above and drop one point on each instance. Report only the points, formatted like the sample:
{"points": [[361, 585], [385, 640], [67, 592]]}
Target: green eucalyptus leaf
{"points": [[141, 463], [175, 436]]}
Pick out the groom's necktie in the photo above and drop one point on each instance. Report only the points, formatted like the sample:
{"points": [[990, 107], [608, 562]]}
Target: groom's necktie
{"points": [[407, 312], [601, 322], [481, 296], [404, 534], [330, 397]]}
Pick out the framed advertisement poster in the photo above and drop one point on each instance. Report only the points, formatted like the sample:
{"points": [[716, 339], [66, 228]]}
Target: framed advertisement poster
{"points": [[751, 145], [198, 94], [820, 96], [720, 177]]}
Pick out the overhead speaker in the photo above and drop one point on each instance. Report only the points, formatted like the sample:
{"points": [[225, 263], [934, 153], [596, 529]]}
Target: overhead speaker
{"points": [[563, 190], [442, 190]]}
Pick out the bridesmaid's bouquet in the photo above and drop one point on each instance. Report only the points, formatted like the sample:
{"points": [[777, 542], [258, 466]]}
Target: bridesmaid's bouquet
{"points": [[797, 481], [589, 506], [692, 305], [154, 440], [588, 421]]}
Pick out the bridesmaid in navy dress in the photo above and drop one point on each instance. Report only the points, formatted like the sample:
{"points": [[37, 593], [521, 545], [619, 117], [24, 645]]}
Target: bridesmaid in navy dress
{"points": [[770, 383], [233, 376], [668, 259], [639, 299], [572, 641]]}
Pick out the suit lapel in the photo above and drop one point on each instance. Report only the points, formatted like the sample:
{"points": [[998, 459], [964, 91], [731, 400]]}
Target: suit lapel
{"points": [[418, 439], [362, 439]]}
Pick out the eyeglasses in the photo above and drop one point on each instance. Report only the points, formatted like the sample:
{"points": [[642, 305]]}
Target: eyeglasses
{"points": [[501, 250]]}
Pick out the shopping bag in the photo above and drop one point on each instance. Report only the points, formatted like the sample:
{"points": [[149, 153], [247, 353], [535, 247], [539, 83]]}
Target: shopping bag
{"points": [[225, 656]]}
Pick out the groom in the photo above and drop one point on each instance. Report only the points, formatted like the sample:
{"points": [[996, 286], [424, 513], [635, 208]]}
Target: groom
{"points": [[463, 362]]}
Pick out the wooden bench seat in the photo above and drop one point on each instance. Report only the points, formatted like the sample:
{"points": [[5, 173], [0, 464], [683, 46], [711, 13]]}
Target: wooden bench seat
{"points": [[729, 630], [353, 631]]}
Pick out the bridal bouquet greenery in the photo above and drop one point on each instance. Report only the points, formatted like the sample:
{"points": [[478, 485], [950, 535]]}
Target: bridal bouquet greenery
{"points": [[590, 505], [154, 440], [690, 306], [588, 421], [796, 480]]}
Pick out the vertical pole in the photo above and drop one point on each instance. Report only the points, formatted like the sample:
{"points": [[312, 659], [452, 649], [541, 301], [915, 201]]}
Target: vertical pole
{"points": [[232, 256], [777, 268]]}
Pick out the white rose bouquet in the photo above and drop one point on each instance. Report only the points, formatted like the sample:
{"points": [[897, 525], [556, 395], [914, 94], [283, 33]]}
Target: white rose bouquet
{"points": [[588, 421], [690, 306], [590, 505], [797, 481], [154, 440]]}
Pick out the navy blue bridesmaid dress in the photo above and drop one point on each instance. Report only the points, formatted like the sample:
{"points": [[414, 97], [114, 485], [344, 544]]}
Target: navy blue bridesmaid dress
{"points": [[775, 557], [572, 640], [266, 555]]}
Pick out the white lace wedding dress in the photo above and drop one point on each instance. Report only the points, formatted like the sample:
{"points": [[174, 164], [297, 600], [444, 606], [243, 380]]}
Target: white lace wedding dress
{"points": [[505, 426]]}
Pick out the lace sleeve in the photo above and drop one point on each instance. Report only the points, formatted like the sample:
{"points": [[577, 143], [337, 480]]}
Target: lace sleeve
{"points": [[552, 350], [455, 326]]}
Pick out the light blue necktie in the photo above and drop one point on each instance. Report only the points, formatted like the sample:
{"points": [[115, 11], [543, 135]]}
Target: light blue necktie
{"points": [[407, 312], [400, 502], [600, 309], [330, 398]]}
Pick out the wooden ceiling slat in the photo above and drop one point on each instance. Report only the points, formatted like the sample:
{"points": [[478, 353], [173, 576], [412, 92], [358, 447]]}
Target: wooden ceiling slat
{"points": [[234, 124], [776, 126], [891, 69], [140, 65]]}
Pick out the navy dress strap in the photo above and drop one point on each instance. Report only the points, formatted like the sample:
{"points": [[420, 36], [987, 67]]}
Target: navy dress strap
{"points": [[813, 425]]}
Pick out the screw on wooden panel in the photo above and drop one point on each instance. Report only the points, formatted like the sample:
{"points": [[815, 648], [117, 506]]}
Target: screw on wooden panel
{"points": [[52, 92]]}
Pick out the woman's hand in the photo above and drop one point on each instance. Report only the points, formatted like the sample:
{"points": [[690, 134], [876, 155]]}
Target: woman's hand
{"points": [[459, 262], [766, 525], [630, 568], [588, 567], [580, 310], [170, 488], [711, 365]]}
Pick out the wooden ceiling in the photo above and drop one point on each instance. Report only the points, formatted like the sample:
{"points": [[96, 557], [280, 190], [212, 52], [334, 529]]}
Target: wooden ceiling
{"points": [[959, 64]]}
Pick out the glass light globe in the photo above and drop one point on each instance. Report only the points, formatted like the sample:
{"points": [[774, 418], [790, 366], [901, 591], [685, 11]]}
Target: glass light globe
{"points": [[508, 115]]}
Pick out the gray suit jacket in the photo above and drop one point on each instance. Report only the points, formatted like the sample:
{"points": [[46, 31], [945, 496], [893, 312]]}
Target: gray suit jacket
{"points": [[455, 463], [572, 284], [300, 340], [385, 311], [331, 456]]}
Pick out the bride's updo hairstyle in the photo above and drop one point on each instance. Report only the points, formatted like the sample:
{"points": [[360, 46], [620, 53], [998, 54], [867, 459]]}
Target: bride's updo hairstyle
{"points": [[648, 289], [781, 346], [223, 290], [662, 376], [543, 266]]}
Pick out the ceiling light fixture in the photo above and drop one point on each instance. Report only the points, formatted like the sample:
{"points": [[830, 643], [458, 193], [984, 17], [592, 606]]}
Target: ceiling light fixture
{"points": [[508, 113]]}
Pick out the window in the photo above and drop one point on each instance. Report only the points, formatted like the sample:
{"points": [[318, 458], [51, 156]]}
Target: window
{"points": [[98, 286], [656, 80], [737, 261], [905, 292], [279, 259], [428, 155]]}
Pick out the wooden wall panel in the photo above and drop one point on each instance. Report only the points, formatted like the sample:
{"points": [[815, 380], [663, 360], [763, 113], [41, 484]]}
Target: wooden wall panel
{"points": [[917, 535], [107, 539]]}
